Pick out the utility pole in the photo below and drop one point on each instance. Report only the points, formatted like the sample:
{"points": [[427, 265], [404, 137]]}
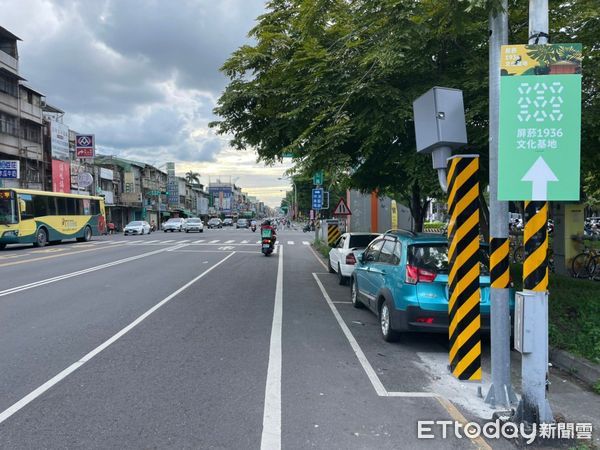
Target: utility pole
{"points": [[501, 392], [534, 406]]}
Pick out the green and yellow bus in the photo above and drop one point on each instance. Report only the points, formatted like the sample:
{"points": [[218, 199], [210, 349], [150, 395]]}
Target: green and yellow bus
{"points": [[39, 217]]}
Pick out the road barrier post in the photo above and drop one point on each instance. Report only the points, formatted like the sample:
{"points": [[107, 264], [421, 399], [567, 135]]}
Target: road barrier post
{"points": [[464, 257], [531, 324]]}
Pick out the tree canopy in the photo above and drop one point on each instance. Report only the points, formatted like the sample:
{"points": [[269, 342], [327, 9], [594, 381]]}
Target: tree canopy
{"points": [[332, 82]]}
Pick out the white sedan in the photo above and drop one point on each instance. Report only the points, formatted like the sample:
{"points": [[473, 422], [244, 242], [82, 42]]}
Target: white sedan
{"points": [[137, 227], [341, 256]]}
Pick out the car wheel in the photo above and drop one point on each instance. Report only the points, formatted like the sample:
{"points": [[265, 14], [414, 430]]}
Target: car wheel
{"points": [[2, 246], [385, 323], [341, 278], [41, 238], [165, 231], [354, 295], [331, 269], [201, 231]]}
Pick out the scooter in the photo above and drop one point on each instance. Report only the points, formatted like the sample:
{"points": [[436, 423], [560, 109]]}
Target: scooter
{"points": [[267, 246], [253, 228]]}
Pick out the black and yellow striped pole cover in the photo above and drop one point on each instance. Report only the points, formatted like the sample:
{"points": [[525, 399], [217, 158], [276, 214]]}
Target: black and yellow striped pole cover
{"points": [[464, 257], [535, 267], [499, 263], [333, 233]]}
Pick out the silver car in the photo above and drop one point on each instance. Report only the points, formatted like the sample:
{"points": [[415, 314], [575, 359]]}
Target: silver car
{"points": [[193, 224], [137, 227], [174, 224]]}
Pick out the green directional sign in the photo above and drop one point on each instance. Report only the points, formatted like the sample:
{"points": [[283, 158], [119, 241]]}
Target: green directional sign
{"points": [[540, 127], [318, 178]]}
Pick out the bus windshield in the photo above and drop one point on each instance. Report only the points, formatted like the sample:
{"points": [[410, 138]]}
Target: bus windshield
{"points": [[8, 210]]}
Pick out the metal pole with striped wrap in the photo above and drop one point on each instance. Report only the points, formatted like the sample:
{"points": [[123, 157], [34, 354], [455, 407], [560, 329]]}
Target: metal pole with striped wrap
{"points": [[535, 267], [499, 263], [464, 256]]}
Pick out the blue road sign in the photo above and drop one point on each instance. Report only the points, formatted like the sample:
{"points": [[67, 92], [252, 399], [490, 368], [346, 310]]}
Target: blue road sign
{"points": [[317, 198]]}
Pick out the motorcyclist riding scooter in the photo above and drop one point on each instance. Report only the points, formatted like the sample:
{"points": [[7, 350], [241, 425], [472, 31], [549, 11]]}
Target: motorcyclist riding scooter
{"points": [[268, 236]]}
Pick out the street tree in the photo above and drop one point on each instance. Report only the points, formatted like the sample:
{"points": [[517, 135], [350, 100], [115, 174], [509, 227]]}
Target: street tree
{"points": [[331, 82]]}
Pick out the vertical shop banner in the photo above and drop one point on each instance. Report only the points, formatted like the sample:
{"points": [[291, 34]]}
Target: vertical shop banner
{"points": [[59, 140], [540, 122], [61, 176]]}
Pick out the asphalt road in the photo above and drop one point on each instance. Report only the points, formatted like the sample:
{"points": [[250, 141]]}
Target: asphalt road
{"points": [[176, 340]]}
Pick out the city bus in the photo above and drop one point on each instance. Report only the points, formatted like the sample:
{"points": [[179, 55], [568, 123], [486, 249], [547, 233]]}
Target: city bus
{"points": [[39, 217]]}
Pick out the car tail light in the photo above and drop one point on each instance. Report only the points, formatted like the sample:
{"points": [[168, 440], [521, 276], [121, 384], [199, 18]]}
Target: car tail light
{"points": [[416, 274], [350, 259], [424, 320]]}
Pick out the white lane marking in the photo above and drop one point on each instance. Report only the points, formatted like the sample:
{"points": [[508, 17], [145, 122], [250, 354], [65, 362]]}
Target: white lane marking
{"points": [[76, 365], [231, 241], [153, 241], [214, 242], [199, 242], [271, 432], [35, 284], [244, 242], [305, 243], [168, 241], [364, 362], [275, 249], [183, 242], [290, 242]]}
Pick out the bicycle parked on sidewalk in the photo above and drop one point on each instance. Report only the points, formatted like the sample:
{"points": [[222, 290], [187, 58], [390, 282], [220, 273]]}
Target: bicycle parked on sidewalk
{"points": [[584, 264]]}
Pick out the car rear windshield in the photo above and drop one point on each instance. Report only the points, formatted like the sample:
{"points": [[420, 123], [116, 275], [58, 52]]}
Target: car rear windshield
{"points": [[361, 240], [174, 220], [434, 257], [193, 220]]}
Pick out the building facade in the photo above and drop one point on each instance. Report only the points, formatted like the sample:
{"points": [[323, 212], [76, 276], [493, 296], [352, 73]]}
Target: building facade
{"points": [[21, 121]]}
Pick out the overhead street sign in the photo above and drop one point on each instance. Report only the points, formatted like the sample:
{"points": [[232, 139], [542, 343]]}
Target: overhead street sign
{"points": [[317, 199], [342, 209], [540, 122]]}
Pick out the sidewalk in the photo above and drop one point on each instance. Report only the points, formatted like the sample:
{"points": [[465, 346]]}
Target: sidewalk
{"points": [[571, 401]]}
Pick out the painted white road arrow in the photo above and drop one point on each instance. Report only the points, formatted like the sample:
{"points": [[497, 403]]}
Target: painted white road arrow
{"points": [[539, 174]]}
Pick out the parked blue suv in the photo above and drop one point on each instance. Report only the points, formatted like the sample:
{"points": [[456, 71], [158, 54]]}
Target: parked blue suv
{"points": [[403, 278]]}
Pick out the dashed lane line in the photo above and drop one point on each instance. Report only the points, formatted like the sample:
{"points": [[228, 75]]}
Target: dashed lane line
{"points": [[76, 365], [35, 284]]}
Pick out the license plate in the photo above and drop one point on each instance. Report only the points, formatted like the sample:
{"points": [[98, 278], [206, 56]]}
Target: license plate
{"points": [[266, 246]]}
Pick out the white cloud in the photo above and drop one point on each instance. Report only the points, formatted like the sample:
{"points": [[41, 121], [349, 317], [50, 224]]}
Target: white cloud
{"points": [[142, 75]]}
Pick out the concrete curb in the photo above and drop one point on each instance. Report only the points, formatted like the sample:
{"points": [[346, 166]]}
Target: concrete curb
{"points": [[581, 369]]}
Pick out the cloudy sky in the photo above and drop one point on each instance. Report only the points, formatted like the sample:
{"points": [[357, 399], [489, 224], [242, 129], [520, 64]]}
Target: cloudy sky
{"points": [[142, 75]]}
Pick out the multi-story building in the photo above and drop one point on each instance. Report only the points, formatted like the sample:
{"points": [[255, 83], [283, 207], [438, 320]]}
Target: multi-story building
{"points": [[20, 119]]}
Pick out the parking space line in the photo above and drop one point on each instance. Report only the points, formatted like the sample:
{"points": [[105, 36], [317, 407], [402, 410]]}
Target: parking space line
{"points": [[376, 382], [76, 365], [362, 359], [271, 432]]}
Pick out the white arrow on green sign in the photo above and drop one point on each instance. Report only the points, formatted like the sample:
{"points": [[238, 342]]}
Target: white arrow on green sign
{"points": [[540, 124]]}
